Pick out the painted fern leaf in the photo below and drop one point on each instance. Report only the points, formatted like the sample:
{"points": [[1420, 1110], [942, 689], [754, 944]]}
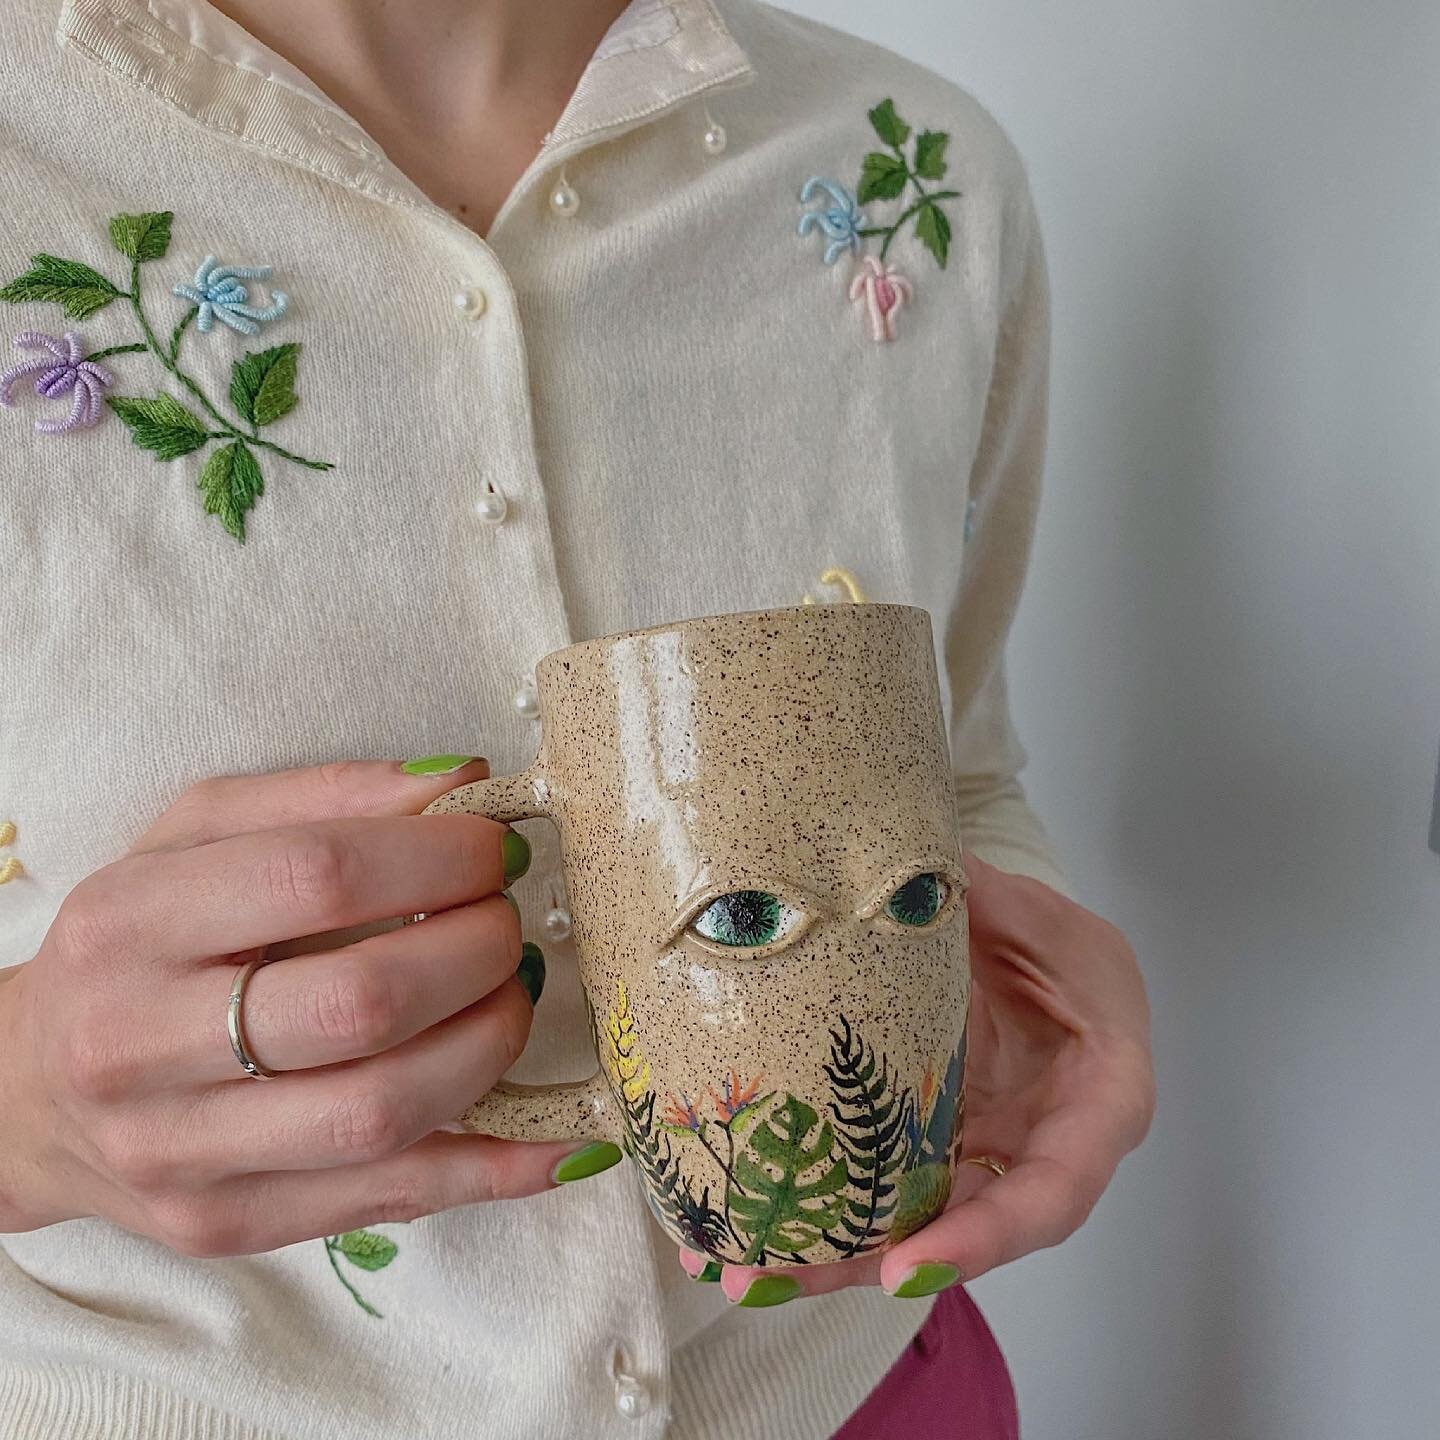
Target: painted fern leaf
{"points": [[872, 1121]]}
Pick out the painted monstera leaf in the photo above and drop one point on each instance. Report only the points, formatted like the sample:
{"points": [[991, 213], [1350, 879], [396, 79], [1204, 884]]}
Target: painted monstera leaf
{"points": [[789, 1187]]}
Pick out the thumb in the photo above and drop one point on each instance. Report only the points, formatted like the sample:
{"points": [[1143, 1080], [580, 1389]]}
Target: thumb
{"points": [[227, 805]]}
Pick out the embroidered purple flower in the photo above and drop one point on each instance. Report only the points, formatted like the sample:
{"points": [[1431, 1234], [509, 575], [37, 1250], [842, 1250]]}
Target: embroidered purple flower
{"points": [[62, 370], [220, 294], [840, 221], [882, 290]]}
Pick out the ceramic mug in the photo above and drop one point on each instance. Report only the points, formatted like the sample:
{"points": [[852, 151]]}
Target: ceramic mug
{"points": [[757, 826]]}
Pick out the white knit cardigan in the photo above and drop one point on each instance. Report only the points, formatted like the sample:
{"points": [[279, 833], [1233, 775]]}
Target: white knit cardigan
{"points": [[682, 381]]}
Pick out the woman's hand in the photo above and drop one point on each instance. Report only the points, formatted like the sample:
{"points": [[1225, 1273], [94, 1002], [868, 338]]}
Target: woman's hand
{"points": [[121, 1096], [1058, 1084]]}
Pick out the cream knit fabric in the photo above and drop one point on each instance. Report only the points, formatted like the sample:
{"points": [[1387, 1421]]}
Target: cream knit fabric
{"points": [[684, 411]]}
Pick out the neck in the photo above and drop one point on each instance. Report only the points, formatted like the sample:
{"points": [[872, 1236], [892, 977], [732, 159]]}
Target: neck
{"points": [[459, 93]]}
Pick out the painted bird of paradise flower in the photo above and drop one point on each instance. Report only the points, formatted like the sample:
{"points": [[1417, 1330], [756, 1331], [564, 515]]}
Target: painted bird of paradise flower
{"points": [[736, 1096], [681, 1113]]}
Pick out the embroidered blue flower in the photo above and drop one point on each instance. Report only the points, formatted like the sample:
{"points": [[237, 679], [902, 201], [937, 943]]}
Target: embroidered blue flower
{"points": [[840, 221], [219, 295]]}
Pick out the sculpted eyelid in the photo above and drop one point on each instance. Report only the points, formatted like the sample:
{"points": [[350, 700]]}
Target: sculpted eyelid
{"points": [[787, 891], [945, 866]]}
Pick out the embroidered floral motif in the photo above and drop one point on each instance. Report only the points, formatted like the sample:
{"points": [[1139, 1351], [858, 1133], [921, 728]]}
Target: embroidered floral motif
{"points": [[884, 176], [882, 290], [10, 866], [366, 1250], [219, 295], [839, 221], [838, 575], [262, 383], [63, 370]]}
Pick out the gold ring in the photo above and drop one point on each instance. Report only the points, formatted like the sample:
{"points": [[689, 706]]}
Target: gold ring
{"points": [[235, 1025], [988, 1161]]}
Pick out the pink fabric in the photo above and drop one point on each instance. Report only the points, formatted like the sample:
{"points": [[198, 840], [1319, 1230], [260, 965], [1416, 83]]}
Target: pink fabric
{"points": [[951, 1382]]}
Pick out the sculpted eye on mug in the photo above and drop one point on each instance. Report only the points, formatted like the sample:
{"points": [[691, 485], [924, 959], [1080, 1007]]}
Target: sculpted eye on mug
{"points": [[748, 920], [919, 900]]}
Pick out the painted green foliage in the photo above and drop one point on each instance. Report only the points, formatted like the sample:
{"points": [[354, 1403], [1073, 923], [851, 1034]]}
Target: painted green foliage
{"points": [[885, 175], [262, 387], [874, 1124], [791, 1178], [789, 1184]]}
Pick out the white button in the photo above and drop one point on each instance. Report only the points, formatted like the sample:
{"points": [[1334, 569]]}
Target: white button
{"points": [[564, 200], [471, 302], [715, 139], [526, 700], [557, 923], [632, 1397], [492, 507]]}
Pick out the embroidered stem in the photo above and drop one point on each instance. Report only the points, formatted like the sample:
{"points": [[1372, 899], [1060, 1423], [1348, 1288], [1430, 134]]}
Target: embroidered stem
{"points": [[180, 329], [116, 350], [359, 1299], [890, 231], [227, 430]]}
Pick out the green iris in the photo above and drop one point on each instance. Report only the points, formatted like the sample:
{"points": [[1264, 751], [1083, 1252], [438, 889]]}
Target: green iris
{"points": [[918, 900], [743, 917]]}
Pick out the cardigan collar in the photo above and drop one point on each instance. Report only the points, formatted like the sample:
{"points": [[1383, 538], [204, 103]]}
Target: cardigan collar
{"points": [[658, 54]]}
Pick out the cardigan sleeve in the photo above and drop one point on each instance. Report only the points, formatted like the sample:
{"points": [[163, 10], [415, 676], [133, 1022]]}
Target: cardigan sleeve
{"points": [[996, 819]]}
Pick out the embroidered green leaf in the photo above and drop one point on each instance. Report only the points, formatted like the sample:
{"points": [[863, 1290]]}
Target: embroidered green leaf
{"points": [[882, 177], [932, 227], [78, 289], [930, 154], [231, 483], [888, 125], [262, 385], [366, 1249], [162, 425], [142, 237]]}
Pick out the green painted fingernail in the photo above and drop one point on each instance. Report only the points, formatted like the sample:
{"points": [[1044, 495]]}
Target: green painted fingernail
{"points": [[531, 970], [515, 854], [926, 1279], [588, 1160], [765, 1290], [438, 764], [710, 1274]]}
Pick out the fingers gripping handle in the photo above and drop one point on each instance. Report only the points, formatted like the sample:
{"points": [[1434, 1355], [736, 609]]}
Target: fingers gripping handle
{"points": [[576, 1110]]}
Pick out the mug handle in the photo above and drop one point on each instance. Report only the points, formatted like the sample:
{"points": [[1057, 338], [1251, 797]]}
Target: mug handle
{"points": [[570, 1110]]}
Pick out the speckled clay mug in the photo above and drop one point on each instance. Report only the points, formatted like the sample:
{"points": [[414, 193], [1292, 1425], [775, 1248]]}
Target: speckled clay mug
{"points": [[757, 825]]}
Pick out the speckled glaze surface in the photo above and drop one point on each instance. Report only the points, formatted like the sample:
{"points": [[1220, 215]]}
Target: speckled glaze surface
{"points": [[757, 825]]}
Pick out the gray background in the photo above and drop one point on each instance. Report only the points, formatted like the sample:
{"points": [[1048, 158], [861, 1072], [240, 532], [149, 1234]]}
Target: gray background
{"points": [[1227, 672]]}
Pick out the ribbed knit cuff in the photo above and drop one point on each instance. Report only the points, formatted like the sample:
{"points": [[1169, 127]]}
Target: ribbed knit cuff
{"points": [[72, 1402], [837, 1347]]}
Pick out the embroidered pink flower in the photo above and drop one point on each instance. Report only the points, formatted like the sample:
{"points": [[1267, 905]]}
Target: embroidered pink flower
{"points": [[62, 370], [882, 290]]}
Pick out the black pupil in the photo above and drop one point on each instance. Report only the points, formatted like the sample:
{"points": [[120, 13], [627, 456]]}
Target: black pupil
{"points": [[745, 917]]}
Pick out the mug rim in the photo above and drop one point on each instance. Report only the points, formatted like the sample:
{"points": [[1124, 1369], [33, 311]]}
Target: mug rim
{"points": [[776, 612]]}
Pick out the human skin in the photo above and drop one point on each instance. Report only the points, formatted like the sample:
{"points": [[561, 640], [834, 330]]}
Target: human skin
{"points": [[1059, 1086], [459, 95], [122, 1098]]}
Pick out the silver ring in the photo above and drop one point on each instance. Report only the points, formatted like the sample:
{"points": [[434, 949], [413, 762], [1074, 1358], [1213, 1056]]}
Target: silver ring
{"points": [[235, 1026]]}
